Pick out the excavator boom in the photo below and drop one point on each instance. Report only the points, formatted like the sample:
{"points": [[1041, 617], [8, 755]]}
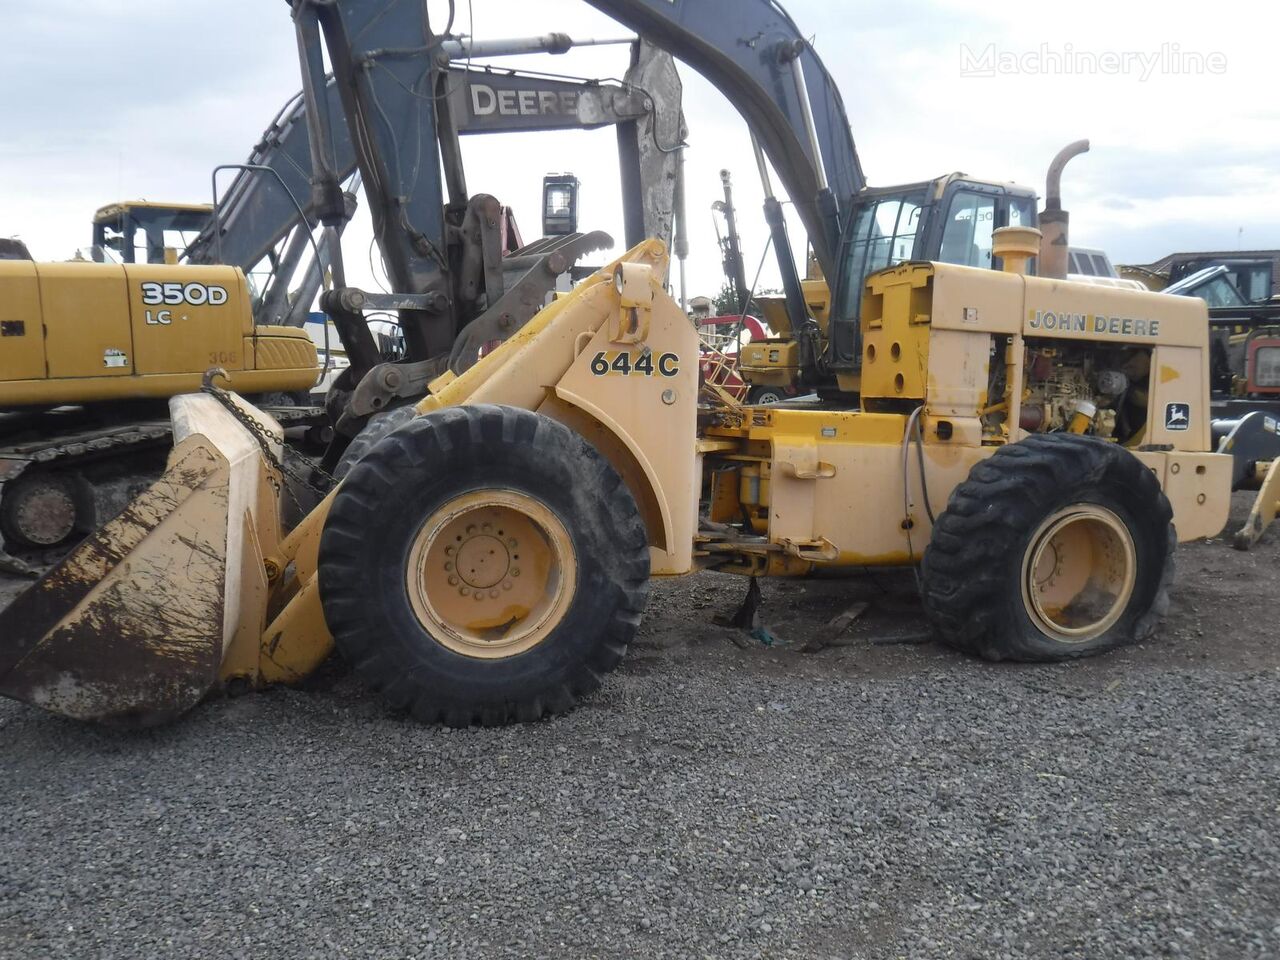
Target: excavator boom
{"points": [[754, 54]]}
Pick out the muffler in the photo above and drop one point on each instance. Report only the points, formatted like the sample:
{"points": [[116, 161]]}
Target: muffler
{"points": [[1054, 221]]}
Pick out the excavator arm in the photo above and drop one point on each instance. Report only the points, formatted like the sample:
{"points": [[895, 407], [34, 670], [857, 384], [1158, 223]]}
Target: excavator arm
{"points": [[256, 211], [390, 113], [754, 54]]}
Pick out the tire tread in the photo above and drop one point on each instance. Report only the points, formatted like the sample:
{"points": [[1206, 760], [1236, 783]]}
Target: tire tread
{"points": [[1003, 500]]}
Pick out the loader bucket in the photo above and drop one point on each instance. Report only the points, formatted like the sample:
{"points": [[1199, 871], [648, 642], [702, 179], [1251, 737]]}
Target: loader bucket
{"points": [[132, 626]]}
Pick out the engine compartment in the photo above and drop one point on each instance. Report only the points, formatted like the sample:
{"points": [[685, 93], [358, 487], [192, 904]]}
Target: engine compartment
{"points": [[1090, 388]]}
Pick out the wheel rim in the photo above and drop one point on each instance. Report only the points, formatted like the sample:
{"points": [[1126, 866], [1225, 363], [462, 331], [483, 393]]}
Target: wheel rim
{"points": [[769, 396], [1078, 573], [46, 514], [491, 573]]}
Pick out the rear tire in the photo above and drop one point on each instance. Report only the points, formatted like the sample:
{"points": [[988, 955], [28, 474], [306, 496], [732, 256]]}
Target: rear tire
{"points": [[483, 564], [1056, 547]]}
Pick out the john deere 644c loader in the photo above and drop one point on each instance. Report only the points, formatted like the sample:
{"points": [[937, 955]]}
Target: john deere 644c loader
{"points": [[1038, 446]]}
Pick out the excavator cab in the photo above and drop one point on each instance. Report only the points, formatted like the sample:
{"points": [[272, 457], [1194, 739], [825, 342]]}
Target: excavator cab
{"points": [[143, 232], [948, 220]]}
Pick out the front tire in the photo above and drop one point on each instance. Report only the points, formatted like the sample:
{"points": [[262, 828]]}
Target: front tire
{"points": [[1056, 547], [379, 425], [483, 564]]}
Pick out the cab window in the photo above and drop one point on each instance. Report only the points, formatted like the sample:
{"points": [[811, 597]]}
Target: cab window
{"points": [[1254, 281], [1022, 212], [966, 238], [883, 234]]}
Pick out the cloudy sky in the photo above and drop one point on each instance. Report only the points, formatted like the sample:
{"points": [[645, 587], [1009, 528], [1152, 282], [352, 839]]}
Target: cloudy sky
{"points": [[115, 99]]}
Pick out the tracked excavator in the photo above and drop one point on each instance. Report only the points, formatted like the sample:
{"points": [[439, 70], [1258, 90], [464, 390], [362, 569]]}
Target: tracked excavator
{"points": [[487, 561]]}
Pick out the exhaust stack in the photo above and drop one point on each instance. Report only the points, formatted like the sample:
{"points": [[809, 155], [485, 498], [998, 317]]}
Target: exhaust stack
{"points": [[1054, 221]]}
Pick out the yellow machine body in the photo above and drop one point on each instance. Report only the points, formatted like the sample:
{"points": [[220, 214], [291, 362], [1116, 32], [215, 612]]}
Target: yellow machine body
{"points": [[87, 332], [819, 487], [775, 362], [827, 487]]}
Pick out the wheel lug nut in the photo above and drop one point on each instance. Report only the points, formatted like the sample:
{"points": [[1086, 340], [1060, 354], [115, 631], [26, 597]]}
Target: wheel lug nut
{"points": [[515, 572], [448, 566], [448, 551], [479, 596], [453, 581], [493, 594], [464, 591], [512, 542], [506, 584]]}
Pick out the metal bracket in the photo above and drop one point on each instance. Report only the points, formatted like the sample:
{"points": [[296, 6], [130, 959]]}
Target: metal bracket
{"points": [[634, 283], [391, 381], [801, 461], [547, 259], [821, 550], [821, 470], [355, 299], [1264, 510]]}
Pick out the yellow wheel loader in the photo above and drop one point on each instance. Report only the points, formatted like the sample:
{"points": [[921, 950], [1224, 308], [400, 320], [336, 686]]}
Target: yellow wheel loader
{"points": [[487, 561]]}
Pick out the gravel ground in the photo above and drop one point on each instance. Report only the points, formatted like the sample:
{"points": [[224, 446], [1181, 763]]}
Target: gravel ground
{"points": [[879, 798]]}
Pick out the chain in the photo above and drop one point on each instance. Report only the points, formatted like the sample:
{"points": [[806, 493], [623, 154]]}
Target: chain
{"points": [[318, 479]]}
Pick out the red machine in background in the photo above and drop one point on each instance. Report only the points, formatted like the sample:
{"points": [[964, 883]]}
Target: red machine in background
{"points": [[722, 338]]}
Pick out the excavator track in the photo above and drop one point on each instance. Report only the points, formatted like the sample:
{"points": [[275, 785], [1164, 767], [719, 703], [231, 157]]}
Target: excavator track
{"points": [[62, 475]]}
